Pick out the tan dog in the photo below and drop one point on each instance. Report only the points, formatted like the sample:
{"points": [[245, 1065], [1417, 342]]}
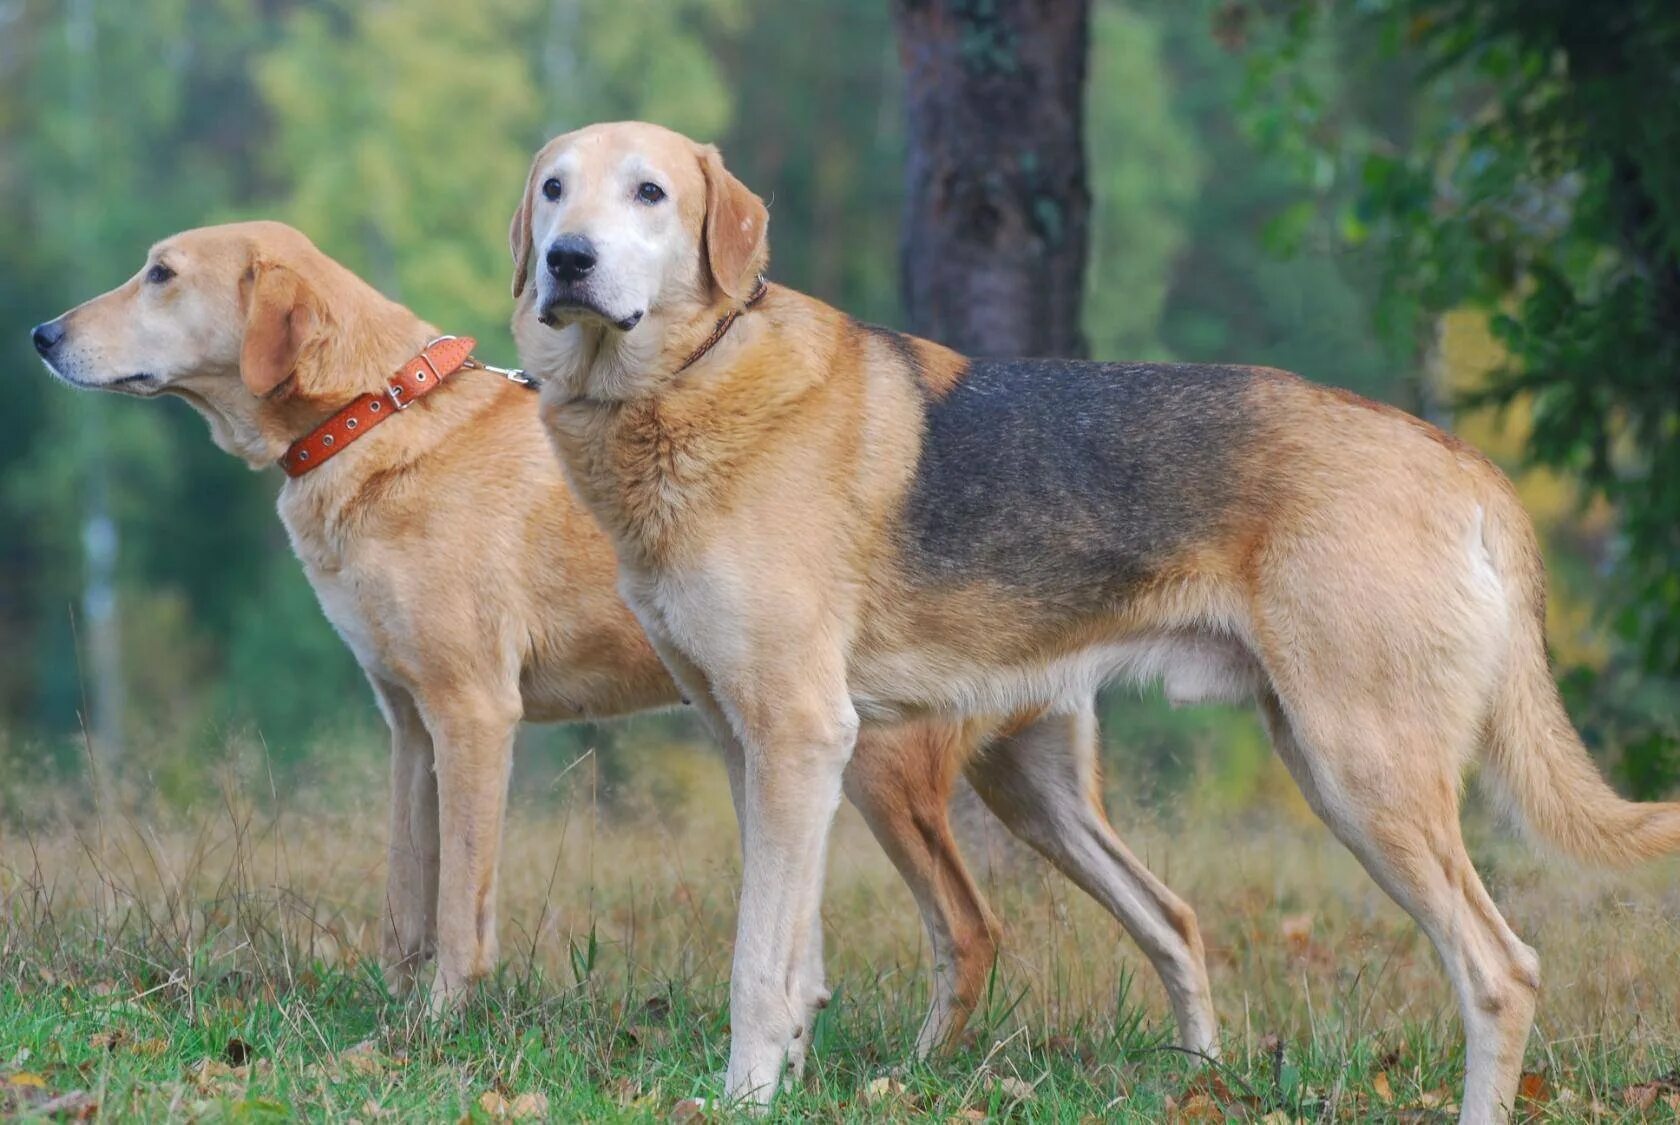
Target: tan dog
{"points": [[817, 520], [474, 591]]}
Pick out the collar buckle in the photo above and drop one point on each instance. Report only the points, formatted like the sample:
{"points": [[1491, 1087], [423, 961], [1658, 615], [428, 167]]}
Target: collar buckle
{"points": [[411, 381]]}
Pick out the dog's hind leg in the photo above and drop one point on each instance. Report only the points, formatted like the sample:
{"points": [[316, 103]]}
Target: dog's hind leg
{"points": [[1043, 783], [900, 779], [1384, 653], [1391, 796], [408, 920]]}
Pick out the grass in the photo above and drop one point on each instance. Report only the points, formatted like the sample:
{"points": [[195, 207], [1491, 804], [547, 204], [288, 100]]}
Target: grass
{"points": [[215, 964]]}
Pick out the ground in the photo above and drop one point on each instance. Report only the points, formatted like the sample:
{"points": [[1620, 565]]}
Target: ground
{"points": [[215, 964]]}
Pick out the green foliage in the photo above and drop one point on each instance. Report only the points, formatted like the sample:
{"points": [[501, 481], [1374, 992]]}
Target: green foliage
{"points": [[1141, 202], [434, 151], [132, 128], [1231, 295], [1538, 180], [425, 229], [818, 129]]}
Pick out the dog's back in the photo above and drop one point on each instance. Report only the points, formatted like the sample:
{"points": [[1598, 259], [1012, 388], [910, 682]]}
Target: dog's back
{"points": [[1057, 479]]}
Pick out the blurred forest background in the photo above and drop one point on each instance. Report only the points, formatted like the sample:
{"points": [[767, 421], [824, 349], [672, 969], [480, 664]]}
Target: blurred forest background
{"points": [[1464, 208]]}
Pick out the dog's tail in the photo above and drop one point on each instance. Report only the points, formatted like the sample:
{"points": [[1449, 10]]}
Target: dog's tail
{"points": [[1536, 756]]}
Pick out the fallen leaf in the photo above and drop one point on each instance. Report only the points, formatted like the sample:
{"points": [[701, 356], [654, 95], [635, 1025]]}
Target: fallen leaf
{"points": [[688, 1110], [1296, 930], [884, 1088], [1533, 1091], [649, 1034], [1196, 1107], [493, 1104], [207, 1072], [108, 1040], [1210, 1083], [528, 1105], [151, 1048], [363, 1060], [26, 1078], [633, 1094], [78, 1105], [1012, 1088], [237, 1052], [1643, 1096], [1381, 1089]]}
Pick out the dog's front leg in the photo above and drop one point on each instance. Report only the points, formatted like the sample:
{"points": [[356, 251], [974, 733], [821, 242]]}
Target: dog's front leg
{"points": [[472, 735], [796, 754], [810, 979], [408, 922]]}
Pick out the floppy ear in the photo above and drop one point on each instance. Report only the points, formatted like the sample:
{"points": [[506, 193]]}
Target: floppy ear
{"points": [[736, 228], [280, 319], [519, 231]]}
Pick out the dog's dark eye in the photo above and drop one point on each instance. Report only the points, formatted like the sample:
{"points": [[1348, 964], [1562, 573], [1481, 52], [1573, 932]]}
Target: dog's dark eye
{"points": [[551, 189], [159, 274], [650, 193]]}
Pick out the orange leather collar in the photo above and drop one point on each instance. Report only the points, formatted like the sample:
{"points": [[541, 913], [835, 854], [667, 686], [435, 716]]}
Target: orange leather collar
{"points": [[414, 379]]}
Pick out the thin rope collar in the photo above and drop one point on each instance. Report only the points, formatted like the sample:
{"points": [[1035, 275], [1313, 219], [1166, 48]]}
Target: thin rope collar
{"points": [[724, 324]]}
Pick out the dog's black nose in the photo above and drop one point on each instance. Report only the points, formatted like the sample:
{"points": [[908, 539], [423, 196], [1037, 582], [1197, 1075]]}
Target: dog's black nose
{"points": [[571, 257], [47, 336]]}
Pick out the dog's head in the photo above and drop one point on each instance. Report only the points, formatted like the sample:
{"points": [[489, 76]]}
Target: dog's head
{"points": [[633, 230], [228, 317]]}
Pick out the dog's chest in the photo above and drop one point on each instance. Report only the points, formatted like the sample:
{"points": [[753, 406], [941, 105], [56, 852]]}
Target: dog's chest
{"points": [[352, 594], [345, 609], [351, 597], [645, 476]]}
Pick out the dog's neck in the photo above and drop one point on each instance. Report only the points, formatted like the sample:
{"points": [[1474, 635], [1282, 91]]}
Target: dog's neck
{"points": [[651, 459], [591, 360], [361, 344]]}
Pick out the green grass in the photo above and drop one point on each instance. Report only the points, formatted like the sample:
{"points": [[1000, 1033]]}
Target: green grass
{"points": [[214, 965], [335, 1045]]}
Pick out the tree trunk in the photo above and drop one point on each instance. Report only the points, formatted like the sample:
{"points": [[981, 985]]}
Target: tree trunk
{"points": [[997, 211]]}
